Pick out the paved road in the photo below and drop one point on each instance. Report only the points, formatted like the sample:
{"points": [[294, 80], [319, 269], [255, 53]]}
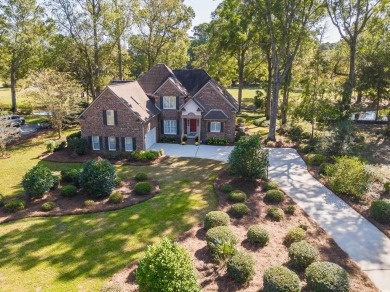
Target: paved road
{"points": [[363, 242]]}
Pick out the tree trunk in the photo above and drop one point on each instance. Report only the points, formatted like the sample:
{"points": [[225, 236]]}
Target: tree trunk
{"points": [[120, 62], [13, 89], [95, 15], [286, 89], [274, 109], [359, 97], [240, 64], [378, 100], [269, 89], [349, 86]]}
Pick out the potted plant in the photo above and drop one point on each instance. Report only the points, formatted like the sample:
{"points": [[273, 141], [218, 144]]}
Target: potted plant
{"points": [[185, 137], [196, 139]]}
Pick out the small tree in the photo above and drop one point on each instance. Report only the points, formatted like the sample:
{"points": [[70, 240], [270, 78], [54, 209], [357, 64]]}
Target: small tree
{"points": [[6, 134], [249, 159]]}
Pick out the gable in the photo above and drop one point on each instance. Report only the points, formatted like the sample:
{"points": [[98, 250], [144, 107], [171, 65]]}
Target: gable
{"points": [[220, 97], [171, 87], [154, 78]]}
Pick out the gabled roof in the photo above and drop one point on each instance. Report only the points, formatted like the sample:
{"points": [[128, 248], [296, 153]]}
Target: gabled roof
{"points": [[180, 88], [154, 78], [215, 114], [193, 80]]}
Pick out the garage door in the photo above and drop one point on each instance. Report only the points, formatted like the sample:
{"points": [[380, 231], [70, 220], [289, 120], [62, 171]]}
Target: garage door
{"points": [[150, 138]]}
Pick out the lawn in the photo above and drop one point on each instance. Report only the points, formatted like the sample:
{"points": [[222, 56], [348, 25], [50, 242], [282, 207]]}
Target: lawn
{"points": [[5, 98]]}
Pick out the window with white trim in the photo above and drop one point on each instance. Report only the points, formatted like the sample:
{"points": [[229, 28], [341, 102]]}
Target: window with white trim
{"points": [[95, 143], [110, 117], [128, 144], [169, 102], [170, 127], [111, 143], [215, 127]]}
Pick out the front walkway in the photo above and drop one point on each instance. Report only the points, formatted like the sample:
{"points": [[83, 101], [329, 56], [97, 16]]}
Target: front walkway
{"points": [[363, 242]]}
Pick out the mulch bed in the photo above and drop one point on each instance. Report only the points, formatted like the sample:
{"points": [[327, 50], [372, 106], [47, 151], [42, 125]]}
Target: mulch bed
{"points": [[75, 205], [213, 277]]}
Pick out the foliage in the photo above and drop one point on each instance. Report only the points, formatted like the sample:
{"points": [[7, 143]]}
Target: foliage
{"points": [[249, 159], [1, 200], [216, 141], [6, 134], [78, 146], [270, 185], [76, 135], [241, 267], [315, 159], [167, 139], [89, 203], [348, 176], [141, 176], [237, 196], [275, 214], [69, 191], [326, 276], [226, 188], [294, 235], [15, 206], [323, 168], [281, 279], [71, 175], [221, 241], [380, 211], [258, 100], [216, 218], [291, 210], [341, 138], [56, 182], [274, 196], [302, 254], [305, 148], [48, 206], [115, 198], [257, 234], [52, 146], [143, 188], [98, 178], [117, 182], [142, 155], [239, 210], [37, 181], [166, 266], [386, 187]]}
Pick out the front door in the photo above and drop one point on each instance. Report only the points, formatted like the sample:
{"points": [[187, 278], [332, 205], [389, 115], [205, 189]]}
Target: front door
{"points": [[192, 125]]}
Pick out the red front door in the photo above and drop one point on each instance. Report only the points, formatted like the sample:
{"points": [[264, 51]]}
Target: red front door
{"points": [[192, 125]]}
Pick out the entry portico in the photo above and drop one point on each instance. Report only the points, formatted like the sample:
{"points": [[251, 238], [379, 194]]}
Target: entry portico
{"points": [[191, 118]]}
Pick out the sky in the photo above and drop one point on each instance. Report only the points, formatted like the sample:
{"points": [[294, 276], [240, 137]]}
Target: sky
{"points": [[203, 9]]}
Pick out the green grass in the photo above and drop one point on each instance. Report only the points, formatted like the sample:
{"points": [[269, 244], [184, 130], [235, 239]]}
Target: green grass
{"points": [[5, 98], [35, 119], [247, 94]]}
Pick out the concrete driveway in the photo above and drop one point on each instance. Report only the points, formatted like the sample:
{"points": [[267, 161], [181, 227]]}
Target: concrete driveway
{"points": [[28, 129]]}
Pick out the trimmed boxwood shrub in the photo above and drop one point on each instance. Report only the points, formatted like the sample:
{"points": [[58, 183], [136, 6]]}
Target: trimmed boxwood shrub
{"points": [[302, 254], [98, 178], [78, 146], [270, 185], [89, 203], [166, 266], [15, 206], [56, 182], [76, 135], [69, 191], [141, 176], [143, 188], [275, 214], [240, 267], [237, 196], [281, 279], [294, 235], [1, 200], [291, 210], [257, 234], [48, 206], [380, 211], [115, 198], [315, 159], [239, 210], [386, 187], [221, 241], [226, 188], [37, 181], [71, 176], [216, 218], [274, 196], [326, 276]]}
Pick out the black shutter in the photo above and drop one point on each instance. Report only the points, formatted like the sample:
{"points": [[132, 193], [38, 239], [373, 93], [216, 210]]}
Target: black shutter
{"points": [[123, 143], [177, 102], [90, 142], [117, 143], [116, 118], [162, 126], [134, 144], [208, 127], [101, 143], [106, 142], [161, 102], [177, 126], [104, 117], [222, 126]]}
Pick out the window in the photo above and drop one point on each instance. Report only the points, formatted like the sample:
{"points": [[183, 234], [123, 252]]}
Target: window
{"points": [[110, 117], [128, 144], [215, 127], [169, 102], [170, 127], [95, 143], [111, 143]]}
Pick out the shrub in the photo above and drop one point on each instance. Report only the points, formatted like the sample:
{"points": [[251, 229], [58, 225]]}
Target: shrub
{"points": [[241, 267], [294, 235], [323, 168], [270, 144], [115, 198], [270, 185], [76, 135], [142, 156], [257, 234], [71, 175], [60, 145], [78, 146], [48, 206], [239, 210], [386, 186], [380, 211], [89, 203], [281, 279], [143, 188], [302, 254], [141, 176], [304, 148], [56, 182], [15, 206], [1, 200], [315, 159], [167, 139], [303, 224], [166, 266], [111, 287], [290, 210], [274, 196], [226, 188], [216, 141], [216, 218], [348, 176], [326, 276], [37, 181], [237, 196], [117, 181], [69, 191], [98, 178], [275, 214], [221, 241], [50, 146]]}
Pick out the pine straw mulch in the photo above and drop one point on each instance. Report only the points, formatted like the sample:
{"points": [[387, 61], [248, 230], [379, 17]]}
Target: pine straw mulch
{"points": [[213, 277]]}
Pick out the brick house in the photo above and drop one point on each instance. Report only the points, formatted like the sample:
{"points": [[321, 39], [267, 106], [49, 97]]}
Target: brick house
{"points": [[131, 115]]}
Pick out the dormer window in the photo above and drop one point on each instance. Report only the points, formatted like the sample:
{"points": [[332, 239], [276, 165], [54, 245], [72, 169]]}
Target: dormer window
{"points": [[169, 102]]}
